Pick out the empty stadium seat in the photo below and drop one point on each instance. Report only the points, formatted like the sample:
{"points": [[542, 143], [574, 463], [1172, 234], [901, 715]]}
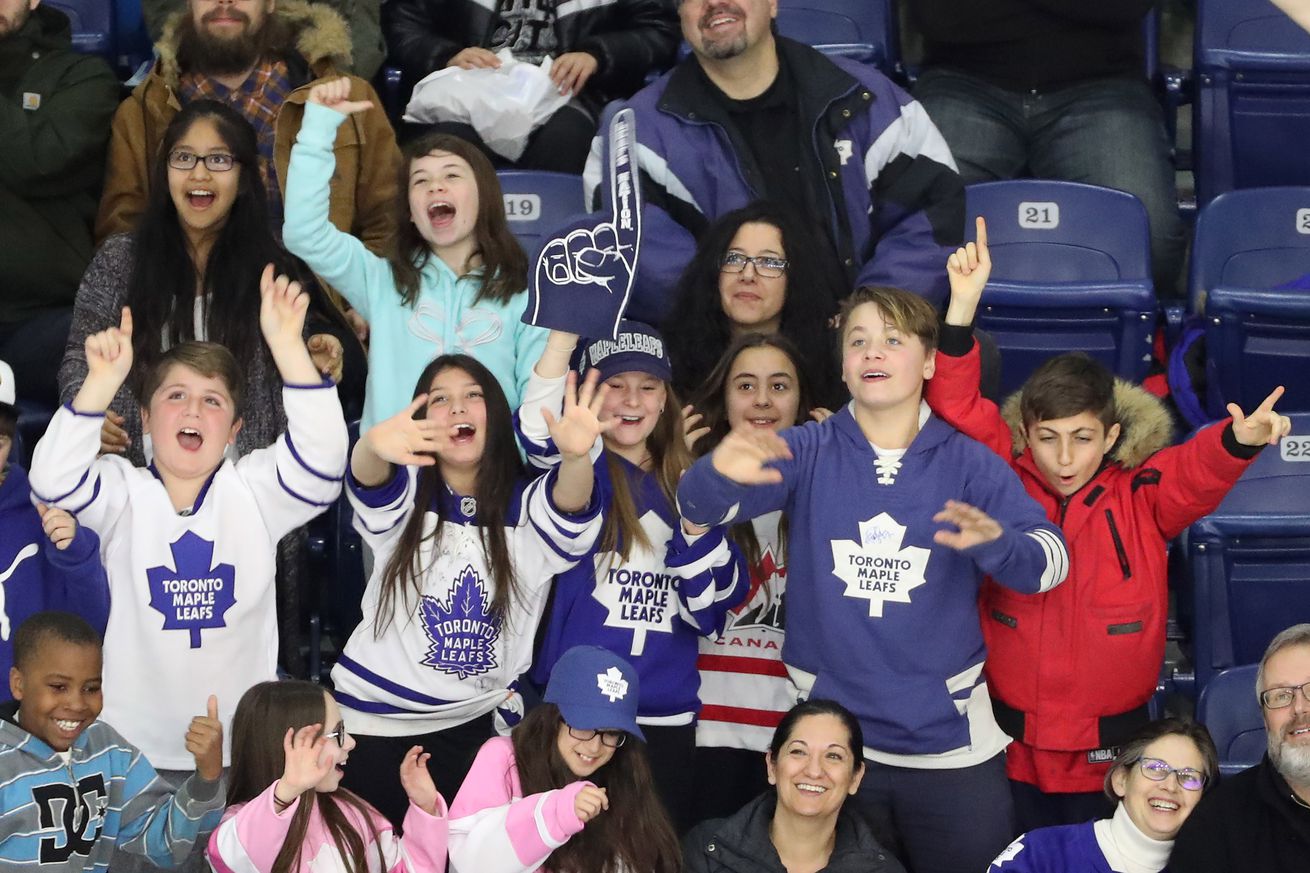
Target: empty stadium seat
{"points": [[1071, 272], [1229, 709], [865, 30], [93, 25], [1252, 106], [1247, 564], [1249, 244], [538, 202]]}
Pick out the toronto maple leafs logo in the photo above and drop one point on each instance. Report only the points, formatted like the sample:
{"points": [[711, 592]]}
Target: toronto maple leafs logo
{"points": [[640, 594], [877, 568], [196, 595], [612, 684], [463, 631]]}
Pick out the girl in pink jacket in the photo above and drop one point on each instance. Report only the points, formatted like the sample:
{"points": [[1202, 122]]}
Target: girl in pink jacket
{"points": [[286, 812], [570, 791]]}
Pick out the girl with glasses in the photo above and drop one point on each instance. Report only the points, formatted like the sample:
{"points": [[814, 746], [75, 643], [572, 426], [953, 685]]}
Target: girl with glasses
{"points": [[570, 790], [757, 270], [286, 810], [1156, 780]]}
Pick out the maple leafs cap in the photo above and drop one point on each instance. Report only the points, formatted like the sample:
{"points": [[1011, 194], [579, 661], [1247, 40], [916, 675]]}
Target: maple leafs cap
{"points": [[595, 689]]}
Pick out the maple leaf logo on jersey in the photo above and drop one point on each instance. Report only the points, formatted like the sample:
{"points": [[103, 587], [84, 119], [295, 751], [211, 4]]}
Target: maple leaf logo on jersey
{"points": [[196, 595], [876, 568], [463, 631]]}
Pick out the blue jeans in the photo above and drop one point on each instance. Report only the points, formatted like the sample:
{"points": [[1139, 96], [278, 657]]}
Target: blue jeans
{"points": [[1107, 132]]}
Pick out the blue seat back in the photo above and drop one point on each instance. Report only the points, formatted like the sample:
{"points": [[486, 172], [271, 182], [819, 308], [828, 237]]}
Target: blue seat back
{"points": [[537, 203], [1071, 272], [93, 25], [1248, 243], [1247, 567], [1230, 710], [1252, 107], [865, 30]]}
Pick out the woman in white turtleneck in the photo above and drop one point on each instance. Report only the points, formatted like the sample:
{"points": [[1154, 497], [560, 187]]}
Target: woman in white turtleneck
{"points": [[1157, 779]]}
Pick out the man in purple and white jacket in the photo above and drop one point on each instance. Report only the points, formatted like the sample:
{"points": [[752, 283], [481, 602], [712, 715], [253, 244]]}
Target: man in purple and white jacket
{"points": [[750, 116]]}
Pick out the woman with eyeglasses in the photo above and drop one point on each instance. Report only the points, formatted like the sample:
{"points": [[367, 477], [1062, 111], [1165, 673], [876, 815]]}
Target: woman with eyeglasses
{"points": [[1156, 779], [286, 809], [570, 790], [190, 271], [756, 270]]}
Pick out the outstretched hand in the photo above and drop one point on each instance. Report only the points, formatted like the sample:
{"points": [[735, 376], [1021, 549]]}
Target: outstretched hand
{"points": [[744, 456], [974, 527], [969, 268], [417, 780], [282, 308], [575, 432], [109, 352], [1263, 426], [402, 439], [691, 428], [308, 761], [334, 94]]}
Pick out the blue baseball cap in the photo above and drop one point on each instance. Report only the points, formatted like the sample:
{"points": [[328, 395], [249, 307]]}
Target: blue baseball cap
{"points": [[595, 689], [636, 348]]}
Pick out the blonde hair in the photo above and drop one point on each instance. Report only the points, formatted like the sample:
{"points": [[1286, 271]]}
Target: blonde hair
{"points": [[908, 311]]}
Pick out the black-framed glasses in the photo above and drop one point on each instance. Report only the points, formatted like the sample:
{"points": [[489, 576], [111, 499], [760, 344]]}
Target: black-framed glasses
{"points": [[765, 265], [215, 162], [613, 739], [1282, 696], [339, 734], [1158, 771]]}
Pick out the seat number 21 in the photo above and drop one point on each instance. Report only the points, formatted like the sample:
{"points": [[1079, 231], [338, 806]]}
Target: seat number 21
{"points": [[1039, 216]]}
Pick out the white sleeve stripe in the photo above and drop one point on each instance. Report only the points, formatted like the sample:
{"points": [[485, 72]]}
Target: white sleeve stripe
{"points": [[538, 815], [568, 7], [912, 134], [233, 854], [658, 169], [965, 679], [1057, 562]]}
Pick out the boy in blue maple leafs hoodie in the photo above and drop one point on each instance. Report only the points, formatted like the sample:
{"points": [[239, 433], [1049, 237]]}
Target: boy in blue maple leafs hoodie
{"points": [[47, 561]]}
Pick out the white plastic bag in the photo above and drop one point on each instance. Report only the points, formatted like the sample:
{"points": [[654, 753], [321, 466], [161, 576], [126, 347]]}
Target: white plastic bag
{"points": [[504, 105]]}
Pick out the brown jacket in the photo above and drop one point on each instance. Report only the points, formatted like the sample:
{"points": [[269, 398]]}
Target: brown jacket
{"points": [[364, 187]]}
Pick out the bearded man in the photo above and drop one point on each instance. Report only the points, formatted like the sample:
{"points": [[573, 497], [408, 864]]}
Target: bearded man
{"points": [[260, 57]]}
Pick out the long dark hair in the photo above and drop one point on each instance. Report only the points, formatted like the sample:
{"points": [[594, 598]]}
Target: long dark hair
{"points": [[162, 288], [504, 264], [712, 404], [498, 472], [634, 834], [670, 458], [697, 330], [265, 712]]}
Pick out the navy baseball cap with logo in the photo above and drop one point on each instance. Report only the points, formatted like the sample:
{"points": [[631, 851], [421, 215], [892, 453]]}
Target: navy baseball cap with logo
{"points": [[637, 348], [595, 689]]}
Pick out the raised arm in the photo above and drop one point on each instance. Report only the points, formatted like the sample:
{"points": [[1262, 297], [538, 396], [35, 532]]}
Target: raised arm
{"points": [[575, 434], [400, 440]]}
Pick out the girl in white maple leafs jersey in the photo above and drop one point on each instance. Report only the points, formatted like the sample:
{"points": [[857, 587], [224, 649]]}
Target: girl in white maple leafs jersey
{"points": [[465, 547], [650, 588]]}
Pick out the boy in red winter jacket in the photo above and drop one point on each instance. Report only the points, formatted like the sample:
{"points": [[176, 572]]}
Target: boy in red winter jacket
{"points": [[1070, 671]]}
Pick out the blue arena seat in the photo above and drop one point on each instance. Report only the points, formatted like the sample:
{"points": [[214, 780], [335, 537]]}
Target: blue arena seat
{"points": [[1252, 108], [1248, 244], [865, 30], [538, 202], [1247, 564], [93, 25], [1229, 709], [33, 418], [1071, 272]]}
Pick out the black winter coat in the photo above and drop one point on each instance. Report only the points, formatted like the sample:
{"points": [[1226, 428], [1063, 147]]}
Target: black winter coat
{"points": [[741, 844], [629, 38]]}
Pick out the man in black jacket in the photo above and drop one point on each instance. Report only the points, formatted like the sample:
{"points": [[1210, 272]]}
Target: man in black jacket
{"points": [[1259, 820], [1052, 89]]}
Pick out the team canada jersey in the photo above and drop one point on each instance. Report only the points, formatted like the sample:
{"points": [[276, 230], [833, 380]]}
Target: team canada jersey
{"points": [[192, 608], [445, 658], [744, 686]]}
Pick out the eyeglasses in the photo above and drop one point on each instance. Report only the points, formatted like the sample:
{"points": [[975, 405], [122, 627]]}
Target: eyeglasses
{"points": [[1282, 697], [339, 734], [1158, 771], [767, 266], [613, 739], [215, 162]]}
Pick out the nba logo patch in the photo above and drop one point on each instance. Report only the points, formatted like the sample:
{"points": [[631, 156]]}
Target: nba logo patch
{"points": [[31, 101]]}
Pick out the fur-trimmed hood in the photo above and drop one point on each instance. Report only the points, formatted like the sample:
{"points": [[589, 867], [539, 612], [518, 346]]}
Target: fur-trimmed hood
{"points": [[322, 37], [1145, 426]]}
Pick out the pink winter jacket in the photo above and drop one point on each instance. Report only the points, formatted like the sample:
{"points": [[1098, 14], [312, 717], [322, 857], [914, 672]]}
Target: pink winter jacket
{"points": [[251, 835]]}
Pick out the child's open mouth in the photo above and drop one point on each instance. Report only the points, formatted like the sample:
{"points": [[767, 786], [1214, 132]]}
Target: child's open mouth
{"points": [[440, 213], [190, 439], [462, 434], [200, 198], [874, 375]]}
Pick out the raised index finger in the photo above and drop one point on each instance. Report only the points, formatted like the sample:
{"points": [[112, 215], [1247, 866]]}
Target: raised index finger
{"points": [[1268, 404], [980, 226], [625, 192]]}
